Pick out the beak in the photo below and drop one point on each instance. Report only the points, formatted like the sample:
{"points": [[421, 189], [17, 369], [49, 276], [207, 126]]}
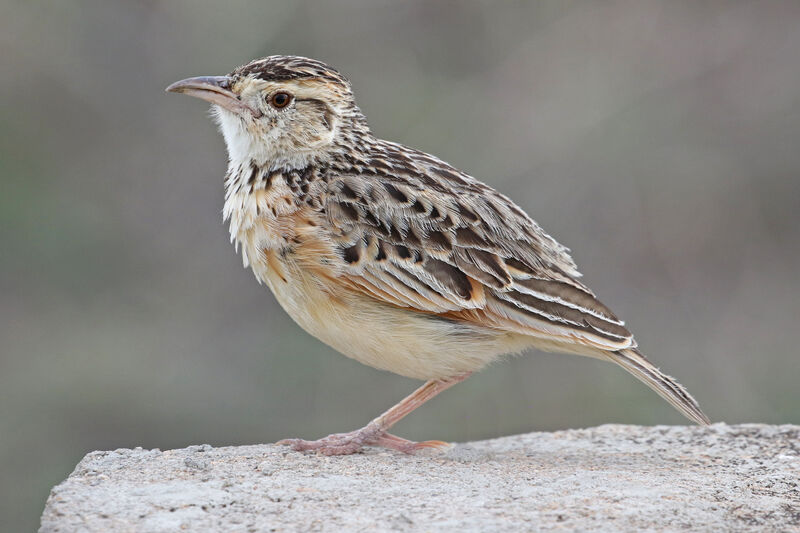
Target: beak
{"points": [[214, 89]]}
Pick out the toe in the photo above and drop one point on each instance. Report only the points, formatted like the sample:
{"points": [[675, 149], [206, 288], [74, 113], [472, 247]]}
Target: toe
{"points": [[438, 444], [408, 446], [339, 444], [298, 445], [340, 449]]}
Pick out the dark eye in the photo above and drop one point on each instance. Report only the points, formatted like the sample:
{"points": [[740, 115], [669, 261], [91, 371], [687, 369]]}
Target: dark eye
{"points": [[280, 100]]}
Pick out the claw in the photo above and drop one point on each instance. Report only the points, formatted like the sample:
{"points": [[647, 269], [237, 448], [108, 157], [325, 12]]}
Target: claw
{"points": [[433, 444], [408, 446]]}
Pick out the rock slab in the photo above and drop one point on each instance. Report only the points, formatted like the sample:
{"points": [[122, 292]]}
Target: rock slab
{"points": [[609, 478]]}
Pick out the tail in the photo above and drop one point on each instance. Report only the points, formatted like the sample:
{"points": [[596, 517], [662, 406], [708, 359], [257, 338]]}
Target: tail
{"points": [[666, 387]]}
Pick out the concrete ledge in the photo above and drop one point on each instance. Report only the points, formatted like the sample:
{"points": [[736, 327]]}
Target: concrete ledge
{"points": [[611, 477]]}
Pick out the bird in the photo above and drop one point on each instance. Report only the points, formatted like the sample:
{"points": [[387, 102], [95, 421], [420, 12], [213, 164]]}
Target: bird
{"points": [[390, 255]]}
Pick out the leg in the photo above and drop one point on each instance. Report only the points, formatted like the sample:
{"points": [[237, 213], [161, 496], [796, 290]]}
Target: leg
{"points": [[376, 431]]}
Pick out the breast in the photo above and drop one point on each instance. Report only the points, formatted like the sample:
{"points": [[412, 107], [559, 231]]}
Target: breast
{"points": [[260, 211]]}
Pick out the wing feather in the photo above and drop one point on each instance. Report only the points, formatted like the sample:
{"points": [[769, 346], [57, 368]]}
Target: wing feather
{"points": [[415, 232]]}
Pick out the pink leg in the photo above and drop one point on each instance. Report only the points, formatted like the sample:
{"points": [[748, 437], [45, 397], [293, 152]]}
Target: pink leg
{"points": [[375, 433]]}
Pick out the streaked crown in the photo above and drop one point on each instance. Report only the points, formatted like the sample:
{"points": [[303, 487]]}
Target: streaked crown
{"points": [[285, 68]]}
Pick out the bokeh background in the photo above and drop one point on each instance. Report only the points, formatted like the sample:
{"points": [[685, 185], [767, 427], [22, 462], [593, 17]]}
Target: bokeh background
{"points": [[659, 140]]}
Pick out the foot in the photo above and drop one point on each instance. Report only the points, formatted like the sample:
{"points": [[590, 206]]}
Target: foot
{"points": [[375, 433], [353, 442]]}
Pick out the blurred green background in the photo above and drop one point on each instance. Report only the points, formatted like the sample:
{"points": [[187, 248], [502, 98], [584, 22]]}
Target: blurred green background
{"points": [[659, 140]]}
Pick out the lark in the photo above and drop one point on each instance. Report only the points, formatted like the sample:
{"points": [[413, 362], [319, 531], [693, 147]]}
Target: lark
{"points": [[390, 255]]}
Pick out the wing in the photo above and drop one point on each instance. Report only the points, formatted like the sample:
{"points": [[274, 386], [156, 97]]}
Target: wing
{"points": [[414, 232]]}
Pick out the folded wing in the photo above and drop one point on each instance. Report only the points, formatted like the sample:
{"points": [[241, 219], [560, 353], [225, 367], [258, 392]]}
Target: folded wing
{"points": [[415, 232]]}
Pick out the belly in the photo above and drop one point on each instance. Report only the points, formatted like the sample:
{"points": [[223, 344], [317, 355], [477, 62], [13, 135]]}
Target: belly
{"points": [[403, 341]]}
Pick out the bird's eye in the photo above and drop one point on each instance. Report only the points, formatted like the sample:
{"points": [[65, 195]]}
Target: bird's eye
{"points": [[280, 100]]}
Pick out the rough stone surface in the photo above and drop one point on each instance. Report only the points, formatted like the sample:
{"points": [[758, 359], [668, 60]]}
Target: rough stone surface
{"points": [[612, 478]]}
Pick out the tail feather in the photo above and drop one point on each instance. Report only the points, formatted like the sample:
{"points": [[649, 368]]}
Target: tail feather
{"points": [[665, 386]]}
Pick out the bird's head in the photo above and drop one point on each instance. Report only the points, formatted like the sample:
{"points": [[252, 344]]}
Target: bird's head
{"points": [[284, 111]]}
